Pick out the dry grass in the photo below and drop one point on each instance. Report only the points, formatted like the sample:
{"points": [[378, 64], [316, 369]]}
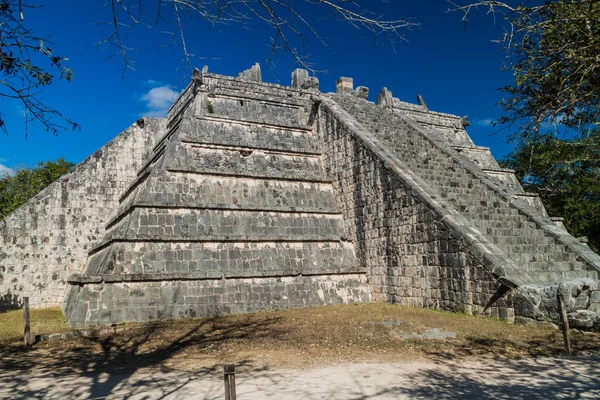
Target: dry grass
{"points": [[43, 321], [295, 338]]}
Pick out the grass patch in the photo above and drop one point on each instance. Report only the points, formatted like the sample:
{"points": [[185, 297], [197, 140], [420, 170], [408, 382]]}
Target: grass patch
{"points": [[296, 338], [42, 321]]}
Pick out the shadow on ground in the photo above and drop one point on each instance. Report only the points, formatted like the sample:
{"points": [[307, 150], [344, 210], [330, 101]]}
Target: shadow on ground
{"points": [[543, 378], [118, 358], [568, 378], [133, 364]]}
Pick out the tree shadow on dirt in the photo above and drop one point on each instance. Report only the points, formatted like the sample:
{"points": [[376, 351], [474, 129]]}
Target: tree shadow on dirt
{"points": [[118, 356], [509, 379], [533, 377]]}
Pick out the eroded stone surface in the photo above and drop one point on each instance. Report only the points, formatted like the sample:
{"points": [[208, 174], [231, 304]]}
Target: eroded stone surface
{"points": [[253, 196]]}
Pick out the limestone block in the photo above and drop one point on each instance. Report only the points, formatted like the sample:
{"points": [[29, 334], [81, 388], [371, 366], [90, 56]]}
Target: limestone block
{"points": [[344, 85], [252, 74], [301, 80], [385, 98]]}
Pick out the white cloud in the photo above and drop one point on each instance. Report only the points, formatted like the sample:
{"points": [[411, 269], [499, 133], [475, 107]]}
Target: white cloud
{"points": [[152, 82], [158, 100], [483, 122], [6, 171]]}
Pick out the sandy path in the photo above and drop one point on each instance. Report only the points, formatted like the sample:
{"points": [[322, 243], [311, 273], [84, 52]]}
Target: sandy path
{"points": [[549, 378]]}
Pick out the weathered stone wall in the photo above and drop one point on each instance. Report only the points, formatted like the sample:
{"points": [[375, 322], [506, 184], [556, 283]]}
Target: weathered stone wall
{"points": [[48, 238], [106, 303], [412, 257], [235, 215]]}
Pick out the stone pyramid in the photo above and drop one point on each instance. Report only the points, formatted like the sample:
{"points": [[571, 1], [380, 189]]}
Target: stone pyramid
{"points": [[253, 196], [233, 213]]}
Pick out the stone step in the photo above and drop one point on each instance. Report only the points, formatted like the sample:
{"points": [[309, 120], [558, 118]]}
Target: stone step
{"points": [[554, 277], [456, 195], [472, 191], [160, 224], [532, 248], [475, 211], [559, 266], [512, 231], [276, 92], [485, 218], [258, 112], [224, 259], [544, 257], [245, 163], [438, 164], [480, 201], [521, 240], [249, 135], [289, 99], [189, 190], [507, 224]]}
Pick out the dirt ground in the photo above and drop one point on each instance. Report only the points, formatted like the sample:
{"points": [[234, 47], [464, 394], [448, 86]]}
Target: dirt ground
{"points": [[539, 378], [366, 351]]}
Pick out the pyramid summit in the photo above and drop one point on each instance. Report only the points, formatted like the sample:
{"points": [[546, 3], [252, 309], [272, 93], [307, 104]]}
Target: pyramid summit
{"points": [[253, 196]]}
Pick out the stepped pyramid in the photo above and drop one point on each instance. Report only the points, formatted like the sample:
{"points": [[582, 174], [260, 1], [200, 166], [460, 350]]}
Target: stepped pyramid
{"points": [[232, 213], [254, 196]]}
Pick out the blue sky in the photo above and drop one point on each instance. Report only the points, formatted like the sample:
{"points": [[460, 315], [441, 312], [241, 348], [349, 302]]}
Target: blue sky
{"points": [[456, 71]]}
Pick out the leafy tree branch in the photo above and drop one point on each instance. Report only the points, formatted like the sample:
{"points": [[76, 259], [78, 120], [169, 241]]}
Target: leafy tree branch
{"points": [[27, 64], [553, 51]]}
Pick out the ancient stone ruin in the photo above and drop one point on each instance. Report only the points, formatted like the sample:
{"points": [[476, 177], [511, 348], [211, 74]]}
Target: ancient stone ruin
{"points": [[254, 196]]}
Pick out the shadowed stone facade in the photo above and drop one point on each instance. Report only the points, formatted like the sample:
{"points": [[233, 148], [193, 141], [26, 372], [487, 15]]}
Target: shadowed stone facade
{"points": [[252, 196]]}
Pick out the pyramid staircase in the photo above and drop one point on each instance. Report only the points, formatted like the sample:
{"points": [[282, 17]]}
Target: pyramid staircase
{"points": [[491, 200]]}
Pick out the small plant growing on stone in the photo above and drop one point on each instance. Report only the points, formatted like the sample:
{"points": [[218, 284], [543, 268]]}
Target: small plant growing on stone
{"points": [[210, 108]]}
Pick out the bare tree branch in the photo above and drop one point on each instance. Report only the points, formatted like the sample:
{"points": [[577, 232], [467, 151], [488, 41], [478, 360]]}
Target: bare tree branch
{"points": [[289, 25]]}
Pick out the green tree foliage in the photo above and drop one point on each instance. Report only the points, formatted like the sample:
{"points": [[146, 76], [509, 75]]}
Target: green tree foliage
{"points": [[554, 55], [565, 173], [552, 106], [553, 50], [26, 183]]}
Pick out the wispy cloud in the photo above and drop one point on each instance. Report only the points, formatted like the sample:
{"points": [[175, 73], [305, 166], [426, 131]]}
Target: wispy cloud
{"points": [[483, 123], [152, 82], [158, 100], [6, 171]]}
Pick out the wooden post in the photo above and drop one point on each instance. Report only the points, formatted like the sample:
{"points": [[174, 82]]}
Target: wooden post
{"points": [[229, 377], [562, 311], [27, 329]]}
